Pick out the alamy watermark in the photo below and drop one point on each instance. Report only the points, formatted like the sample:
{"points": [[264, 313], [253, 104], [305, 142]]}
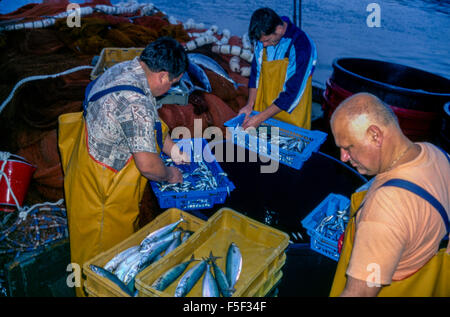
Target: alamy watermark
{"points": [[374, 278], [374, 18], [73, 15]]}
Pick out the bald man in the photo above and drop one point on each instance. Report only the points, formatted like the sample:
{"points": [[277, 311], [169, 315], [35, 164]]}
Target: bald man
{"points": [[392, 240]]}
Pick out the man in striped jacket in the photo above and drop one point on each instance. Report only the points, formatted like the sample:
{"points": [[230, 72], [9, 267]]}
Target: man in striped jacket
{"points": [[282, 67]]}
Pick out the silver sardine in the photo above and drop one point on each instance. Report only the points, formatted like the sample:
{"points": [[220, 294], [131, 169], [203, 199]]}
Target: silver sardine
{"points": [[189, 279], [221, 278], [157, 234], [115, 261], [234, 264], [209, 284], [162, 282], [211, 64]]}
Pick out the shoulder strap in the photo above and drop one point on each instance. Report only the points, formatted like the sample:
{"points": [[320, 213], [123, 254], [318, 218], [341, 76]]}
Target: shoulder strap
{"points": [[106, 91], [416, 189]]}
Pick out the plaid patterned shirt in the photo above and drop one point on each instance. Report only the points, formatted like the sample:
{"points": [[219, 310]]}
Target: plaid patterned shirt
{"points": [[122, 122]]}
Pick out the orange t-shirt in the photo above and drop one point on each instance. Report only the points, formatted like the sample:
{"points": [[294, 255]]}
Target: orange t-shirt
{"points": [[397, 232]]}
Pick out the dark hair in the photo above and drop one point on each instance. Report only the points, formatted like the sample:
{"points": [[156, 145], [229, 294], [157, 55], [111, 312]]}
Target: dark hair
{"points": [[263, 22], [165, 54]]}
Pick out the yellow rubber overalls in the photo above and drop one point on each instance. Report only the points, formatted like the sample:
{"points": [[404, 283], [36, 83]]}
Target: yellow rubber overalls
{"points": [[101, 203], [433, 279], [271, 82]]}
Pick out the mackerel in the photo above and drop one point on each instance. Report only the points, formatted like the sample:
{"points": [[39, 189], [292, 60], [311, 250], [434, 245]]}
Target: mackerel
{"points": [[162, 282], [113, 278], [115, 261], [148, 257], [201, 76], [209, 285], [126, 264], [189, 279], [157, 234], [234, 264], [221, 278], [211, 64]]}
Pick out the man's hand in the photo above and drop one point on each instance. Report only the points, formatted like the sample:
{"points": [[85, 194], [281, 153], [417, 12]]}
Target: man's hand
{"points": [[175, 175], [247, 109], [152, 167], [253, 121]]}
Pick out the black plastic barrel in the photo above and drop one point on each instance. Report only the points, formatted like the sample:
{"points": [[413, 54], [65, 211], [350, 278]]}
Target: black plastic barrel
{"points": [[416, 96]]}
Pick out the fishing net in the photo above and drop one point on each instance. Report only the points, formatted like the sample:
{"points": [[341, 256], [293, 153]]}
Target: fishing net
{"points": [[29, 121]]}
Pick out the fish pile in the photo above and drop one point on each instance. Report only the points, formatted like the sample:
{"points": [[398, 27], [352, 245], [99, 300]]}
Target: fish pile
{"points": [[123, 268], [333, 226], [285, 142], [213, 285], [200, 178]]}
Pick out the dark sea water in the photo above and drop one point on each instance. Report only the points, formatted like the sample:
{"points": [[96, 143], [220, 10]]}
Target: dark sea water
{"points": [[414, 33]]}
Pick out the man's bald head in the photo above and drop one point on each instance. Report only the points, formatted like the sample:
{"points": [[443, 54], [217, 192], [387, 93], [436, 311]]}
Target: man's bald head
{"points": [[365, 107]]}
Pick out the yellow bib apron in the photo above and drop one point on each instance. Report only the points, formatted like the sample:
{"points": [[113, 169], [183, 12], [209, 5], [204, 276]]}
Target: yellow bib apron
{"points": [[433, 279], [102, 204], [271, 82]]}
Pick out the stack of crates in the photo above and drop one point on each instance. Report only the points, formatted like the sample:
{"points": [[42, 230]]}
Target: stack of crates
{"points": [[262, 248], [326, 243], [312, 140], [99, 286]]}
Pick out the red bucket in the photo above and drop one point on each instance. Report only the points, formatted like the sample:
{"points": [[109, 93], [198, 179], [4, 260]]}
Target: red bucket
{"points": [[19, 172]]}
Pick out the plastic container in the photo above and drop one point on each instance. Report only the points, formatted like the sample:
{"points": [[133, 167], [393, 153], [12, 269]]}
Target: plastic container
{"points": [[294, 159], [262, 248], [100, 286], [200, 199], [414, 95], [326, 245], [18, 172], [109, 56]]}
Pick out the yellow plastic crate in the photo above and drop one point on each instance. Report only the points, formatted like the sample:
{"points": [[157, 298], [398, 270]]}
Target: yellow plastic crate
{"points": [[262, 248], [110, 56], [101, 286]]}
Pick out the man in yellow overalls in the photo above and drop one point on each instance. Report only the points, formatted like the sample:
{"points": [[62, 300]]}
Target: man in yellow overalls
{"points": [[110, 150], [391, 243], [281, 72]]}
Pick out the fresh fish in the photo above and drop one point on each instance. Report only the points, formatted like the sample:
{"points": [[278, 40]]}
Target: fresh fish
{"points": [[162, 282], [234, 264], [221, 278], [126, 264], [155, 249], [115, 261], [189, 279], [209, 63], [102, 272], [157, 234], [209, 285], [147, 257], [186, 236], [198, 73], [174, 244]]}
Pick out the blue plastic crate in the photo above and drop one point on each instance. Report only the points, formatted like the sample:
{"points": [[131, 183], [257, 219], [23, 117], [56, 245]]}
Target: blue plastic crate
{"points": [[326, 242], [199, 151], [312, 138]]}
